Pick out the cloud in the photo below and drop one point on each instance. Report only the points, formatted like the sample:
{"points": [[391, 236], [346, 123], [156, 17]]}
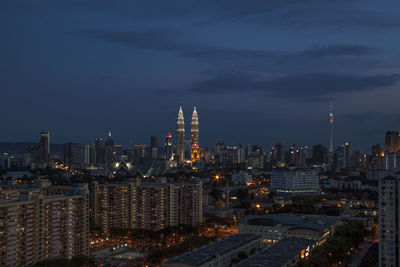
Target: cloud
{"points": [[311, 14], [154, 39], [168, 40], [296, 86], [339, 50]]}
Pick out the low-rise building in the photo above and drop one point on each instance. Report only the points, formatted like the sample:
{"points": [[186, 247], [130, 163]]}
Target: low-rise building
{"points": [[241, 177], [295, 181], [217, 254], [275, 227], [285, 253], [346, 184]]}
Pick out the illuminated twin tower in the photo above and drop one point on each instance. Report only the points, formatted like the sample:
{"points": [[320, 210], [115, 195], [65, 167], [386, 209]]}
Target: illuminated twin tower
{"points": [[194, 132]]}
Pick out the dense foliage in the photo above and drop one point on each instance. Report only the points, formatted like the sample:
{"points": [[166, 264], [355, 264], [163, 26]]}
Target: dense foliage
{"points": [[339, 247]]}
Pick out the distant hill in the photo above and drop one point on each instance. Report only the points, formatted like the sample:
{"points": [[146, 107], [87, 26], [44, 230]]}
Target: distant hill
{"points": [[21, 148]]}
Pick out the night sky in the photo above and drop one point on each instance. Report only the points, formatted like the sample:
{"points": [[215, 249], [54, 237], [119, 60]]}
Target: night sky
{"points": [[259, 71]]}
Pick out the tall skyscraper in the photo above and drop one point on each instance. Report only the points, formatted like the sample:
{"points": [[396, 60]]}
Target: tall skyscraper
{"points": [[168, 146], [194, 131], [389, 221], [154, 146], [99, 149], [109, 149], [76, 155], [343, 155], [180, 137], [331, 118], [44, 146], [140, 151], [280, 152], [320, 154]]}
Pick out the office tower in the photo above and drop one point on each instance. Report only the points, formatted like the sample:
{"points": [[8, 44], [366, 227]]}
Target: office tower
{"points": [[331, 118], [194, 132], [389, 221], [168, 146], [300, 158], [92, 155], [44, 146], [242, 154], [280, 152], [140, 151], [292, 181], [109, 150], [43, 222], [248, 151], [99, 149], [392, 142], [180, 137], [77, 155], [154, 146], [218, 148], [110, 140], [343, 155], [5, 161], [320, 154]]}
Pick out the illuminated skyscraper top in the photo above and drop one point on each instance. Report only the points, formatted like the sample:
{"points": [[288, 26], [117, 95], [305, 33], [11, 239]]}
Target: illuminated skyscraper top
{"points": [[194, 131], [180, 146], [331, 118]]}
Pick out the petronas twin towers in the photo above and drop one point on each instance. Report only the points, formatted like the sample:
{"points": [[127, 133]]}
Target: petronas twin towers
{"points": [[194, 132]]}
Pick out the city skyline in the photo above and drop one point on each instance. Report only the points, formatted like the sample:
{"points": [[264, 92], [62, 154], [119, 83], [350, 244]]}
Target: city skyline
{"points": [[112, 67], [200, 133], [271, 143]]}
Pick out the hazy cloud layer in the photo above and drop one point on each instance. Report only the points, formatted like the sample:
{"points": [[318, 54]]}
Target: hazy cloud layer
{"points": [[302, 86], [118, 64]]}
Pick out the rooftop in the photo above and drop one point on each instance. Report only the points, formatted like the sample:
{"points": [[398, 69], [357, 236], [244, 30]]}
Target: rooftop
{"points": [[278, 254], [206, 253], [314, 222]]}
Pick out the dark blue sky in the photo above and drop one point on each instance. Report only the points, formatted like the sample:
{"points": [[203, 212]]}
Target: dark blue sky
{"points": [[259, 71]]}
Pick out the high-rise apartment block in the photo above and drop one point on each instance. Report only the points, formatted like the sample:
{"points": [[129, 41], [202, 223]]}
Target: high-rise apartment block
{"points": [[389, 221], [41, 221], [392, 141], [146, 204]]}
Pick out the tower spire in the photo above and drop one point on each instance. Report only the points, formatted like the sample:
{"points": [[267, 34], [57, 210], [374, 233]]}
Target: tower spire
{"points": [[194, 131], [331, 119], [180, 146]]}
